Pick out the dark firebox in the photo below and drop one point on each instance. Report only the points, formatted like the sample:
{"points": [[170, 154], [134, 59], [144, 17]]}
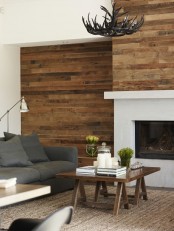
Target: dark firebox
{"points": [[154, 140]]}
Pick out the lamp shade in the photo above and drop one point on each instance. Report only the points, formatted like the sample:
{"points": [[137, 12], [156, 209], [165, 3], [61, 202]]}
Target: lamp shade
{"points": [[23, 106]]}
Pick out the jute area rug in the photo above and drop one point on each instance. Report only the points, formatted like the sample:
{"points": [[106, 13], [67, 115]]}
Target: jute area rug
{"points": [[156, 214]]}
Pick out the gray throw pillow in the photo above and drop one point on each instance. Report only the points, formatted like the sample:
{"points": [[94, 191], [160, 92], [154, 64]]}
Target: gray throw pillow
{"points": [[33, 148], [8, 135], [31, 145], [12, 154]]}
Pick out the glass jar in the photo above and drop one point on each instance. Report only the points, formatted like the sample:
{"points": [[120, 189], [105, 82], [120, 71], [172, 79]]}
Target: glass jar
{"points": [[91, 150], [103, 149], [104, 156]]}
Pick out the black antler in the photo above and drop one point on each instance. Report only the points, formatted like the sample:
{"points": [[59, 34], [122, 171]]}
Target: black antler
{"points": [[111, 25]]}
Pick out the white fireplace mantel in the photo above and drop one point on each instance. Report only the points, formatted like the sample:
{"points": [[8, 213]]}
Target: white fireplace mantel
{"points": [[131, 106], [154, 94]]}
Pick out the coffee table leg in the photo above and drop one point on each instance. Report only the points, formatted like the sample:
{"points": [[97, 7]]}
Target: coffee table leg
{"points": [[125, 197], [143, 187], [75, 193], [118, 198], [137, 191], [82, 191], [78, 186], [104, 189], [97, 189]]}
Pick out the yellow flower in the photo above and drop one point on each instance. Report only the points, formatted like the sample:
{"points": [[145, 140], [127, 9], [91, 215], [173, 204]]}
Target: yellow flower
{"points": [[92, 139]]}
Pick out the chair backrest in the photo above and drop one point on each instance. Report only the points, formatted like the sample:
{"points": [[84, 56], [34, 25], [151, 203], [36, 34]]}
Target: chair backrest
{"points": [[54, 221]]}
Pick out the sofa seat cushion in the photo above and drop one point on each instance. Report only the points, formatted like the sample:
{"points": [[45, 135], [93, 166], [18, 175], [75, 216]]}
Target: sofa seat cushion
{"points": [[23, 175], [50, 169]]}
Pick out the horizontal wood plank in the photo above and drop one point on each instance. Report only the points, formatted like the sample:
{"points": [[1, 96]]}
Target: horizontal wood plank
{"points": [[64, 86]]}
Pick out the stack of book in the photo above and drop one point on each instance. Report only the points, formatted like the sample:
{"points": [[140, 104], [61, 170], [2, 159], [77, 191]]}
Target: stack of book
{"points": [[87, 170], [6, 183], [116, 171]]}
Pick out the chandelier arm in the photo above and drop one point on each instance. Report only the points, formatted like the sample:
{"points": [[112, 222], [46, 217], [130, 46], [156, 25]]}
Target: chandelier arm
{"points": [[105, 21], [89, 22], [140, 23], [95, 24], [105, 10]]}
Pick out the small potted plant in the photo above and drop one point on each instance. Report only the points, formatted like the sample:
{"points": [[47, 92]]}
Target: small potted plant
{"points": [[91, 147], [125, 155]]}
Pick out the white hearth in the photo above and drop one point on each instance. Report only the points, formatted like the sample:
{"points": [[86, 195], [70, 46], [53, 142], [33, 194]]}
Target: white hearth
{"points": [[131, 106]]}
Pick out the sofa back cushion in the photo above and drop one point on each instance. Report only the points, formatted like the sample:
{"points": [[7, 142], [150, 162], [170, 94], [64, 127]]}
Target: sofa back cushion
{"points": [[12, 153], [32, 146]]}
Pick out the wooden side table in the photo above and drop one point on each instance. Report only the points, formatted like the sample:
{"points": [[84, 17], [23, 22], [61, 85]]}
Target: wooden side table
{"points": [[86, 161]]}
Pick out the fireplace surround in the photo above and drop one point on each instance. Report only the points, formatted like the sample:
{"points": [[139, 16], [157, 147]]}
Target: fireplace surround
{"points": [[132, 106]]}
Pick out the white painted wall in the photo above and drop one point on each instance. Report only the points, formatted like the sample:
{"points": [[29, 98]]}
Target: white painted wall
{"points": [[9, 87], [36, 21], [9, 81]]}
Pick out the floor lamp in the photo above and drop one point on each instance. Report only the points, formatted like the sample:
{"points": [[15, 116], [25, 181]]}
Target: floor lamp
{"points": [[23, 108]]}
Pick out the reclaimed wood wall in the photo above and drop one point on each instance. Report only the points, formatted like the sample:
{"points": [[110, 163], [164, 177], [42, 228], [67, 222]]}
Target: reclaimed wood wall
{"points": [[145, 60], [64, 86]]}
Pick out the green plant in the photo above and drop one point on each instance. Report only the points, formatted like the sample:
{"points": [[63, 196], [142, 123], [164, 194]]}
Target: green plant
{"points": [[125, 155]]}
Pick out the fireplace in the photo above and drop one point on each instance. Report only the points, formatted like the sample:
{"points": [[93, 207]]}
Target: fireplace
{"points": [[154, 140], [131, 107]]}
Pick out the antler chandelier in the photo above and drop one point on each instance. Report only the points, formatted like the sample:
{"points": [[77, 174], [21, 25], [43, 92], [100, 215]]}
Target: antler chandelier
{"points": [[111, 25]]}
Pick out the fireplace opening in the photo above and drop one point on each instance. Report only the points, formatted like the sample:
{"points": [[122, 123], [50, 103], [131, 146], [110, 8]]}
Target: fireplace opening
{"points": [[154, 140]]}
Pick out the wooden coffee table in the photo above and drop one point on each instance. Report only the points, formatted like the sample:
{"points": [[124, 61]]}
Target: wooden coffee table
{"points": [[121, 190], [22, 192]]}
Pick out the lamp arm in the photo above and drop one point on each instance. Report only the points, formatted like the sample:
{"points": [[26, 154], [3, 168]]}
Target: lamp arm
{"points": [[10, 109]]}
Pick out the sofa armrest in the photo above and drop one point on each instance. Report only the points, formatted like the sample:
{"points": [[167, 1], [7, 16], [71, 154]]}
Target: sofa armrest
{"points": [[62, 153]]}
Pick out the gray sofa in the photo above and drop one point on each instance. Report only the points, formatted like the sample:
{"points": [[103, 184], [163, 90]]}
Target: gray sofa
{"points": [[24, 157]]}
